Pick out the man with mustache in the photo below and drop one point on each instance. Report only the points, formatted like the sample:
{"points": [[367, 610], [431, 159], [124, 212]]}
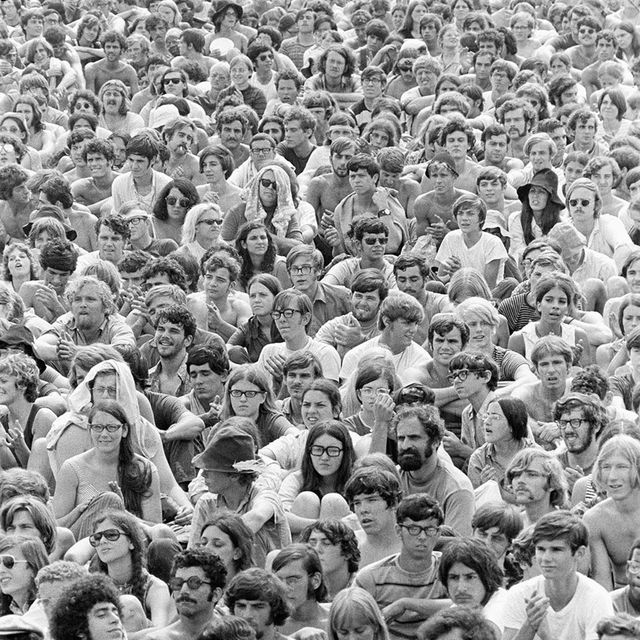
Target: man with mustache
{"points": [[420, 431], [179, 137], [518, 118], [198, 578]]}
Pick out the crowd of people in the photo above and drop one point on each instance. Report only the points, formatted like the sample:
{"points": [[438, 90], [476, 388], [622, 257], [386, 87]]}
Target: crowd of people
{"points": [[389, 390]]}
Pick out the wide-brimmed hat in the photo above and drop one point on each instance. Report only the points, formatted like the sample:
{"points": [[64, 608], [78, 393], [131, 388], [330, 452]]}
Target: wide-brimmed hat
{"points": [[230, 450], [546, 179], [566, 236], [17, 336], [496, 220], [443, 157], [222, 6], [163, 115], [70, 233]]}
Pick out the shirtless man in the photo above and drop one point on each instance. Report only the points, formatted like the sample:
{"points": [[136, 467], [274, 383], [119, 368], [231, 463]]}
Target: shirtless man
{"points": [[214, 309], [373, 493], [95, 190], [179, 135], [614, 523], [434, 210], [551, 357], [15, 200], [111, 67], [405, 189], [495, 142]]}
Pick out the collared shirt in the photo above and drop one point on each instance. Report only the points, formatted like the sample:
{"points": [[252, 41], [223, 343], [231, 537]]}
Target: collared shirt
{"points": [[485, 456], [250, 336], [472, 423], [124, 190], [113, 330], [329, 302], [155, 374]]}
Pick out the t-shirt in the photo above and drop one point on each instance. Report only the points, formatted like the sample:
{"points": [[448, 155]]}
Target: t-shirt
{"points": [[576, 621], [486, 250]]}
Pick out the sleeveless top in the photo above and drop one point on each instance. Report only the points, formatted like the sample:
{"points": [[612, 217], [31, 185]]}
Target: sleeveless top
{"points": [[530, 337]]}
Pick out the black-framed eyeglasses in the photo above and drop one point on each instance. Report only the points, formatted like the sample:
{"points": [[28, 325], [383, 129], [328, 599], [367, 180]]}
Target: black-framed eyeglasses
{"points": [[405, 67], [268, 184], [194, 583], [172, 200], [587, 31], [317, 451], [373, 241], [108, 534], [265, 56], [574, 202], [8, 561], [460, 374], [574, 423], [415, 530], [239, 393], [262, 151], [304, 270], [172, 81], [287, 313], [111, 428]]}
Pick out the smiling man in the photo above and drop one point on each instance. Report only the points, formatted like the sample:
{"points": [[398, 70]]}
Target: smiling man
{"points": [[559, 604], [179, 136], [112, 235]]}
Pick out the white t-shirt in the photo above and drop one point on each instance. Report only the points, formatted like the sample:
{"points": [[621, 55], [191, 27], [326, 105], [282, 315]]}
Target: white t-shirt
{"points": [[576, 621], [487, 249], [328, 356]]}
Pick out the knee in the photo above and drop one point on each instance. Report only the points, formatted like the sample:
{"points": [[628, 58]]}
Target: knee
{"points": [[161, 531], [334, 506], [306, 504], [617, 286]]}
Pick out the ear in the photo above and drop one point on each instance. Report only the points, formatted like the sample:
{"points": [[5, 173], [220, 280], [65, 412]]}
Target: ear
{"points": [[580, 553], [188, 341], [385, 321], [316, 580]]}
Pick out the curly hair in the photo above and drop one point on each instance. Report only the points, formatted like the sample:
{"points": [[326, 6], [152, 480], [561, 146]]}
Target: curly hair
{"points": [[60, 571], [25, 369], [180, 316], [471, 624], [129, 525], [41, 516], [87, 22], [9, 250], [268, 260], [134, 471], [210, 563], [106, 297], [11, 176], [167, 266], [593, 410], [337, 533], [258, 584], [69, 620], [228, 627], [186, 188], [240, 535]]}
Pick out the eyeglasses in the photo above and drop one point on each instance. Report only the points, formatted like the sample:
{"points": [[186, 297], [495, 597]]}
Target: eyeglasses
{"points": [[8, 561], [317, 451], [172, 81], [239, 393], [415, 530], [574, 423], [575, 201], [268, 183], [372, 241], [380, 391], [194, 583], [303, 270], [102, 391], [265, 56], [137, 220], [262, 152], [99, 428], [172, 200], [211, 221], [461, 374], [586, 30], [405, 67], [108, 534], [633, 567], [370, 81], [287, 313]]}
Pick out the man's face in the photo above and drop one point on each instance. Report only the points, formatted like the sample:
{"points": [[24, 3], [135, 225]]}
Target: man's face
{"points": [[170, 339], [21, 194], [400, 333], [157, 305], [299, 584], [515, 124], [468, 383], [586, 35], [495, 539], [365, 305], [87, 308], [205, 382], [491, 191], [483, 66], [287, 91], [231, 134], [605, 50], [372, 88], [540, 157], [303, 273], [112, 51], [373, 245], [294, 134], [419, 546], [531, 485], [191, 602], [257, 613], [98, 165], [373, 513], [35, 26], [139, 227], [465, 586], [576, 438], [495, 149], [131, 279], [339, 162], [110, 244], [335, 65], [457, 144], [139, 165], [410, 281], [173, 84], [443, 179], [217, 284], [390, 180], [556, 559], [444, 347], [616, 475], [56, 278], [181, 141], [604, 179], [103, 622], [426, 80], [298, 381], [573, 171], [112, 101], [414, 445], [585, 132], [499, 81], [552, 369]]}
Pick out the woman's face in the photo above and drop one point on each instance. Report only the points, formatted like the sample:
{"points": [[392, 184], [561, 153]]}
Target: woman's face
{"points": [[316, 407], [217, 541], [416, 15], [496, 426], [324, 464], [40, 54], [397, 17], [104, 386], [357, 628], [261, 300], [104, 440], [370, 391], [582, 205], [18, 580], [12, 127], [90, 34], [208, 227], [257, 242], [450, 40], [177, 204], [212, 170], [267, 189], [18, 264], [460, 11], [110, 551], [23, 525], [624, 38], [243, 405], [557, 67], [26, 111], [608, 109], [554, 305], [538, 198]]}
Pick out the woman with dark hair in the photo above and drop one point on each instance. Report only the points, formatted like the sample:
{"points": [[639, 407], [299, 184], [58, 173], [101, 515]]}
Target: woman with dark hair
{"points": [[411, 26], [217, 165], [225, 16], [371, 381], [20, 560], [18, 266], [246, 343], [171, 207], [628, 39], [314, 492], [258, 254], [228, 537], [39, 54], [41, 138], [121, 548], [506, 433], [612, 107], [337, 75], [110, 467], [27, 515]]}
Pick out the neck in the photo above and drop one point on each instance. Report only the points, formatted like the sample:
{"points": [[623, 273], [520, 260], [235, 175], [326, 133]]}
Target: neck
{"points": [[142, 242], [121, 570], [473, 236], [586, 458], [422, 474], [562, 589], [477, 399], [21, 598], [340, 182], [371, 263], [394, 348], [234, 495], [366, 199], [19, 410], [337, 580], [506, 448], [308, 611], [171, 365], [297, 342], [144, 180], [535, 510], [411, 564], [17, 282], [193, 626], [303, 148], [265, 321], [585, 227], [555, 393]]}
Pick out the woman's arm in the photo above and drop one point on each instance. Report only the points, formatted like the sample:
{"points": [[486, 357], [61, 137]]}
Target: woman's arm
{"points": [[64, 500], [160, 604], [516, 343], [151, 505]]}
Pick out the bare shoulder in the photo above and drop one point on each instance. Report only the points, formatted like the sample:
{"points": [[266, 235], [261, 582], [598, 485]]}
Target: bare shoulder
{"points": [[593, 517]]}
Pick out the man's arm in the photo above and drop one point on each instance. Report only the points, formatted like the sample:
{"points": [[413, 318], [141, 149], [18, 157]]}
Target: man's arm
{"points": [[600, 564], [90, 77]]}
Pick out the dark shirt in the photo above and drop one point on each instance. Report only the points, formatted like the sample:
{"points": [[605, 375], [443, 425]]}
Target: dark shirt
{"points": [[249, 336], [299, 163]]}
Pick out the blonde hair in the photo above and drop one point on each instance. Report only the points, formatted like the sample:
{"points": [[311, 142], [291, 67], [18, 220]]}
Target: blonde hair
{"points": [[352, 604], [628, 448]]}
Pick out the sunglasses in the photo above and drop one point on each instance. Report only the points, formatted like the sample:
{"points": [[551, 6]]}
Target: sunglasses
{"points": [[268, 183], [372, 241], [405, 67], [172, 81], [265, 57], [108, 534], [211, 222], [8, 561], [194, 583], [172, 200], [574, 202], [586, 31]]}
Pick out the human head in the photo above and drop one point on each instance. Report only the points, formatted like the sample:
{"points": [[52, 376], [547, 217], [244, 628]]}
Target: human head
{"points": [[355, 608], [337, 533], [239, 534], [457, 622], [39, 523]]}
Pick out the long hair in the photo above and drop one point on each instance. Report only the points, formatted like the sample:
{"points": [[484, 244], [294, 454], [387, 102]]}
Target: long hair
{"points": [[355, 604], [192, 218], [37, 123], [550, 216], [311, 479], [135, 534], [406, 30], [269, 259], [134, 472], [240, 535], [42, 518], [185, 187]]}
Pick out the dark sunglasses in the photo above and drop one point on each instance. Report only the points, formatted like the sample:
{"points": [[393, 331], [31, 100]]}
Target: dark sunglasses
{"points": [[264, 57], [8, 561], [372, 241], [193, 583], [405, 67], [108, 534], [183, 202], [211, 222], [172, 81], [268, 183], [574, 202]]}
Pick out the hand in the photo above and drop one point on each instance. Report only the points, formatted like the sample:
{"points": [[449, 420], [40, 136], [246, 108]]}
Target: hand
{"points": [[211, 196], [115, 487], [577, 349], [214, 317], [15, 439], [184, 515], [309, 633], [454, 446], [274, 365], [438, 230], [383, 407], [215, 408], [536, 609], [349, 334], [328, 219], [47, 297], [548, 431], [393, 610], [332, 237], [451, 265], [488, 473], [66, 349]]}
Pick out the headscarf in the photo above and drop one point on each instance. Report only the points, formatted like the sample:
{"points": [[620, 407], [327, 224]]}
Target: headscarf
{"points": [[121, 88], [285, 208]]}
